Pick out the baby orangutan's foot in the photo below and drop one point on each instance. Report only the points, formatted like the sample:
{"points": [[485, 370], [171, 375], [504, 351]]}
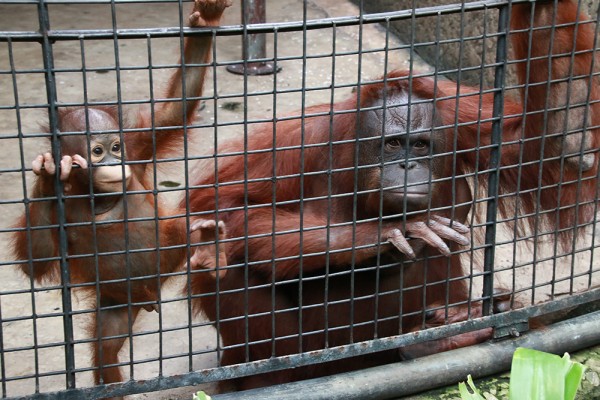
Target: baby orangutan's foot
{"points": [[210, 254]]}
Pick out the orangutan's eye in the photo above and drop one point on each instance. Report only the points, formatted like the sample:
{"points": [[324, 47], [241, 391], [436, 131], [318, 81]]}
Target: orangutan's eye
{"points": [[420, 145], [393, 144]]}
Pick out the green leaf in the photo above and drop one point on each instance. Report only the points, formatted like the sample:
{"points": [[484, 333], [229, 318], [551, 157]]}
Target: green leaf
{"points": [[200, 396], [536, 375], [464, 392]]}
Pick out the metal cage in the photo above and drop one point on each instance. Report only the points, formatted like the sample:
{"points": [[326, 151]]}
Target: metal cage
{"points": [[117, 55]]}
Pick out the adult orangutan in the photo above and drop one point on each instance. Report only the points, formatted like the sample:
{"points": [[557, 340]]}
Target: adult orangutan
{"points": [[112, 234], [319, 209]]}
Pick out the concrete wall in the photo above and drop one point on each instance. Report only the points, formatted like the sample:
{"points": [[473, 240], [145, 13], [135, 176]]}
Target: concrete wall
{"points": [[440, 35]]}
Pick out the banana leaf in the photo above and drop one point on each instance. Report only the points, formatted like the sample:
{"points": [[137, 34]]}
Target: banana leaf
{"points": [[537, 375]]}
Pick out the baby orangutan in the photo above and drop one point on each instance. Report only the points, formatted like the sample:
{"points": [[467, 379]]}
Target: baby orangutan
{"points": [[120, 240]]}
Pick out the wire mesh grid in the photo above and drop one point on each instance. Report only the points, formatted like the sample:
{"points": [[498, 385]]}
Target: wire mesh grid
{"points": [[307, 171]]}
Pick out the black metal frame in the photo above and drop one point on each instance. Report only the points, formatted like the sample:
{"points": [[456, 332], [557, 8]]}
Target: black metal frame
{"points": [[504, 323]]}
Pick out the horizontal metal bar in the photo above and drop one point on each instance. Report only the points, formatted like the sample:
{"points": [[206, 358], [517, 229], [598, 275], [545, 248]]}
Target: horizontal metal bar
{"points": [[236, 30], [72, 2], [335, 353], [408, 377]]}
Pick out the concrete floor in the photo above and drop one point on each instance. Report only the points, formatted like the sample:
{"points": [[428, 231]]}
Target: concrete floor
{"points": [[176, 343]]}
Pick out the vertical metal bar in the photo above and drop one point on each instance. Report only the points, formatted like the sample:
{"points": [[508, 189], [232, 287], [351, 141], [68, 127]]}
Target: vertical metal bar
{"points": [[411, 70], [461, 50], [565, 108], [254, 46], [217, 323], [3, 360], [496, 142], [578, 22], [586, 127], [356, 185], [377, 291], [274, 210], [155, 192], [47, 55], [537, 226], [186, 179], [525, 97], [94, 237], [473, 218], [548, 85], [246, 203], [26, 201], [301, 177], [431, 177], [128, 267], [330, 168]]}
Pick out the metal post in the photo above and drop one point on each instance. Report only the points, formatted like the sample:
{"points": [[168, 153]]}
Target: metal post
{"points": [[48, 57], [254, 46], [492, 204]]}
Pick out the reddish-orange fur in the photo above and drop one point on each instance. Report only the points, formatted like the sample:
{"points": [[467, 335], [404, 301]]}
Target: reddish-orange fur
{"points": [[144, 263], [322, 134]]}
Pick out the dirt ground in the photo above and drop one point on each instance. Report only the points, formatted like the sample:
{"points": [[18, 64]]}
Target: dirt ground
{"points": [[182, 335]]}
